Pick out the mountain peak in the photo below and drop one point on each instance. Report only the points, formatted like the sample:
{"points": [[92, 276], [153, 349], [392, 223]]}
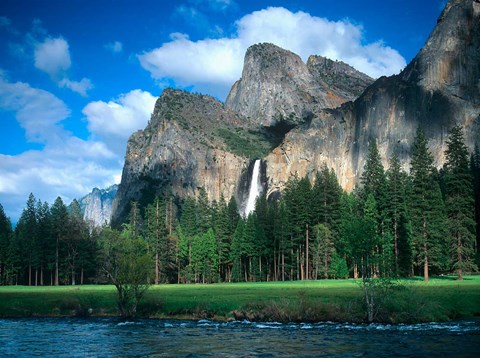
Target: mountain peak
{"points": [[276, 85], [449, 60]]}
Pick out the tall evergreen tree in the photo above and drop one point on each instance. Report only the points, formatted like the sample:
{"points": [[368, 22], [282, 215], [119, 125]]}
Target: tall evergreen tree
{"points": [[59, 217], [5, 238], [325, 204], [396, 210], [373, 179], [76, 238], [156, 236], [27, 235], [427, 209], [460, 203], [374, 183], [475, 169], [46, 244]]}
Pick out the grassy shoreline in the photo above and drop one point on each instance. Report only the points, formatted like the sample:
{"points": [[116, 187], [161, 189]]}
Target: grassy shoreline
{"points": [[413, 301]]}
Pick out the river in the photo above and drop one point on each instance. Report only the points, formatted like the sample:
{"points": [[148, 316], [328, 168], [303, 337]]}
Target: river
{"points": [[107, 337]]}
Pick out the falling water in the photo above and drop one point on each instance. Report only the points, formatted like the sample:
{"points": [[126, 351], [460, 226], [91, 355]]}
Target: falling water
{"points": [[254, 188]]}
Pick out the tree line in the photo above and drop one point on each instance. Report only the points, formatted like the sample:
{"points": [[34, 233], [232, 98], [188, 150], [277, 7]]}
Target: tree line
{"points": [[395, 224]]}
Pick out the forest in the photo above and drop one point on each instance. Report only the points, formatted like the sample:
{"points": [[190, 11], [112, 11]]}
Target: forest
{"points": [[395, 224]]}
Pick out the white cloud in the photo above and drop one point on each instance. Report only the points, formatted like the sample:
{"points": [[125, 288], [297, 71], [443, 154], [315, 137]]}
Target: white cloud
{"points": [[51, 173], [81, 87], [114, 47], [37, 111], [116, 120], [53, 57], [212, 65], [67, 166]]}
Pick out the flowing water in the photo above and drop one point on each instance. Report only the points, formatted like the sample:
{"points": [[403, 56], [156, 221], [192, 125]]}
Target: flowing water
{"points": [[107, 337], [254, 188]]}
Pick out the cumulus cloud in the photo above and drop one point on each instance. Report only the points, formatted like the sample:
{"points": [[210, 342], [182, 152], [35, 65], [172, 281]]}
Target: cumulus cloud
{"points": [[81, 87], [51, 173], [212, 65], [67, 165], [114, 121], [53, 57], [37, 111], [115, 47]]}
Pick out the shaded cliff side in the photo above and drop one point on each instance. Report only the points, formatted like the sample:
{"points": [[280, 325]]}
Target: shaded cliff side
{"points": [[438, 89]]}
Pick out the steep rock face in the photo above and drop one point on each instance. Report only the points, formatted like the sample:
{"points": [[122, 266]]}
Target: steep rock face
{"points": [[342, 81], [183, 149], [97, 206], [277, 85], [438, 89]]}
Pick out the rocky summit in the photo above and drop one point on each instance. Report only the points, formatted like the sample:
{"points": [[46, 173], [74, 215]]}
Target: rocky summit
{"points": [[298, 117], [277, 85]]}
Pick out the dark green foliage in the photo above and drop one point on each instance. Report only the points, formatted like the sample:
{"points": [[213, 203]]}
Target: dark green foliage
{"points": [[427, 209], [156, 235], [460, 203], [394, 224], [396, 219], [6, 238]]}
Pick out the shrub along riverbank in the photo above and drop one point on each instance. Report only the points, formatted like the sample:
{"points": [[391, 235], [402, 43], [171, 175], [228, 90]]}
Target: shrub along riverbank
{"points": [[406, 301]]}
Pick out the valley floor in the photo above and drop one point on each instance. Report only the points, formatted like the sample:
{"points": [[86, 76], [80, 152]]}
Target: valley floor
{"points": [[407, 301]]}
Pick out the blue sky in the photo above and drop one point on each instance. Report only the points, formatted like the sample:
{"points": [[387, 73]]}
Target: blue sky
{"points": [[77, 77]]}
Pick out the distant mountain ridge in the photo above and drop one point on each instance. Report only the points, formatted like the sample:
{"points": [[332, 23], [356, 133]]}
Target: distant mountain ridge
{"points": [[97, 205]]}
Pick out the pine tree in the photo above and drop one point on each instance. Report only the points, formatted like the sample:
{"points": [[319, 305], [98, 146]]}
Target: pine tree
{"points": [[427, 210], [475, 169], [223, 233], [373, 179], [5, 238], [460, 203], [396, 210], [325, 204], [46, 243], [156, 236], [374, 183], [26, 233], [59, 217], [323, 250], [77, 236], [204, 212]]}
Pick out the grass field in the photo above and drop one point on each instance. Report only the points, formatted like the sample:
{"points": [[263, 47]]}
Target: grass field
{"points": [[440, 299]]}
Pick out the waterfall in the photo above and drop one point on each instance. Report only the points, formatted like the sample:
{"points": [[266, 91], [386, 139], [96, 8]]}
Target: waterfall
{"points": [[254, 188]]}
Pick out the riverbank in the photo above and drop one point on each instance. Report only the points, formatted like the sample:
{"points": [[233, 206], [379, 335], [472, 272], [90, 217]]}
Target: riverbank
{"points": [[411, 301]]}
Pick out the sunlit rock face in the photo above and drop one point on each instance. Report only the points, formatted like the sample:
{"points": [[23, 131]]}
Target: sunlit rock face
{"points": [[180, 151], [192, 141], [97, 206], [438, 89], [277, 85]]}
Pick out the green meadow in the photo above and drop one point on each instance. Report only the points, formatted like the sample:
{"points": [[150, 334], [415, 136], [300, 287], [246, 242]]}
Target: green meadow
{"points": [[408, 301]]}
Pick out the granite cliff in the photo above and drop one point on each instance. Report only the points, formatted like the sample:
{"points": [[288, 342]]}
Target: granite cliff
{"points": [[277, 85], [97, 206], [438, 89], [194, 141]]}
